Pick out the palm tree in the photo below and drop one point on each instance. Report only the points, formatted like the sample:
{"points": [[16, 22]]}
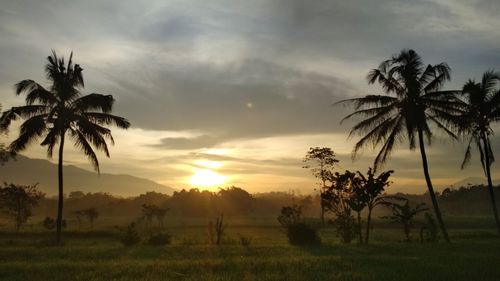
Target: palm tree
{"points": [[374, 186], [63, 111], [482, 108], [412, 102]]}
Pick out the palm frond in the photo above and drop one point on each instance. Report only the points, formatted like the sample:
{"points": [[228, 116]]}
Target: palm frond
{"points": [[94, 101]]}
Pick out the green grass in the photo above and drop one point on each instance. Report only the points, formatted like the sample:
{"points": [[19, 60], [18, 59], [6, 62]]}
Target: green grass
{"points": [[474, 255]]}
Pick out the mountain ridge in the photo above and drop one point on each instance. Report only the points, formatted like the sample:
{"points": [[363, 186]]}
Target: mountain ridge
{"points": [[25, 170]]}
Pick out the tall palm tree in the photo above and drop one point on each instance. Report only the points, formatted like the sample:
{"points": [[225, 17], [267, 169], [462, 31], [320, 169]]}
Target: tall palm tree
{"points": [[412, 102], [62, 111], [482, 108]]}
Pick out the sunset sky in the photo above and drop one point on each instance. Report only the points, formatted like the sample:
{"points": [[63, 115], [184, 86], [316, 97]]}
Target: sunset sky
{"points": [[235, 92]]}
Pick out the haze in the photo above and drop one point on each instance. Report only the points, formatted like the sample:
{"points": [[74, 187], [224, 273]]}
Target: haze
{"points": [[236, 94]]}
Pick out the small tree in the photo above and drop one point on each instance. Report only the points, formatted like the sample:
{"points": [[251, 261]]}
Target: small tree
{"points": [[79, 214], [91, 214], [297, 231], [373, 187], [321, 161], [17, 202], [220, 227], [404, 214], [338, 199]]}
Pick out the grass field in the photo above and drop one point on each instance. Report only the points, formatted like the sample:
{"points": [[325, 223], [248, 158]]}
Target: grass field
{"points": [[473, 255]]}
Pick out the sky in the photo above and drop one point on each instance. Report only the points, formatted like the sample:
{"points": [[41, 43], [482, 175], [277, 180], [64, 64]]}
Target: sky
{"points": [[235, 92]]}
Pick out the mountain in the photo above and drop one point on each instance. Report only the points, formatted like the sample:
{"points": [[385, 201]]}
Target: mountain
{"points": [[474, 181], [25, 170]]}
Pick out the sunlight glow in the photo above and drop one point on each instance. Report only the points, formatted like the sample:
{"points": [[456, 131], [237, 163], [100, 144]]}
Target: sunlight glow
{"points": [[206, 178], [209, 164]]}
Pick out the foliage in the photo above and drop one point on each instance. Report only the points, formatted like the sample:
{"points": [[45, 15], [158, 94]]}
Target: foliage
{"points": [[429, 231], [411, 104], [62, 111], [91, 214], [130, 236], [340, 198], [405, 214], [49, 223], [321, 161], [245, 241], [150, 212], [160, 239], [219, 228], [297, 231], [346, 227], [290, 215], [372, 186], [482, 108], [18, 201]]}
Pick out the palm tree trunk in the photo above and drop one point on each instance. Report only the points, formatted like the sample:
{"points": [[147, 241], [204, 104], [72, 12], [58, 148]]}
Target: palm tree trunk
{"points": [[490, 184], [368, 222], [61, 195], [429, 186]]}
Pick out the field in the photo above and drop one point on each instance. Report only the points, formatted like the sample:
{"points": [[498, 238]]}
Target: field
{"points": [[473, 255]]}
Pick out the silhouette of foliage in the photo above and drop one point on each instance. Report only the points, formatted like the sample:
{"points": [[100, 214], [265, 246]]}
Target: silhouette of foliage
{"points": [[372, 186], [429, 231], [130, 236], [62, 111], [321, 161], [405, 214], [482, 107], [160, 239], [297, 231], [18, 201], [413, 102]]}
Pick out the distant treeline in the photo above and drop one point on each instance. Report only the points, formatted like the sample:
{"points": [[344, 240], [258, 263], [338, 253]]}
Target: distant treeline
{"points": [[234, 201]]}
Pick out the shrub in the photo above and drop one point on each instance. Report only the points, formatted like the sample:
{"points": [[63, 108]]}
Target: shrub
{"points": [[346, 227], [245, 241], [160, 239], [297, 231], [302, 234], [131, 237], [429, 231], [50, 223]]}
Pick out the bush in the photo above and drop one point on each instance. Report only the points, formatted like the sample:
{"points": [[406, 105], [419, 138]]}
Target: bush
{"points": [[50, 223], [302, 234], [346, 227], [131, 237], [245, 241], [297, 231], [429, 231], [160, 239]]}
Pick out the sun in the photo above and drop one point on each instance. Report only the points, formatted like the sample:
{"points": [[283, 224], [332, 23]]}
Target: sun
{"points": [[206, 178]]}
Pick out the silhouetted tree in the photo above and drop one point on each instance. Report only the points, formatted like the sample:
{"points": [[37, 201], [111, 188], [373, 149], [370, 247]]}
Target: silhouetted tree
{"points": [[339, 199], [482, 101], [18, 201], [405, 215], [295, 228], [220, 227], [373, 187], [62, 111], [91, 214], [79, 214], [412, 102], [321, 161]]}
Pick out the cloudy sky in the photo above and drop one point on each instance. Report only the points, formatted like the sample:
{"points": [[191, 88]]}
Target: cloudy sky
{"points": [[237, 91]]}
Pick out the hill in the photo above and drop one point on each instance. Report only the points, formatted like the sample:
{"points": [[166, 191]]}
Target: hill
{"points": [[25, 170], [474, 181]]}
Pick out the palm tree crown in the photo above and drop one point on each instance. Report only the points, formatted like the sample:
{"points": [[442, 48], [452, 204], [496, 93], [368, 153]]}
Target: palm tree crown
{"points": [[412, 101], [62, 109], [482, 108]]}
